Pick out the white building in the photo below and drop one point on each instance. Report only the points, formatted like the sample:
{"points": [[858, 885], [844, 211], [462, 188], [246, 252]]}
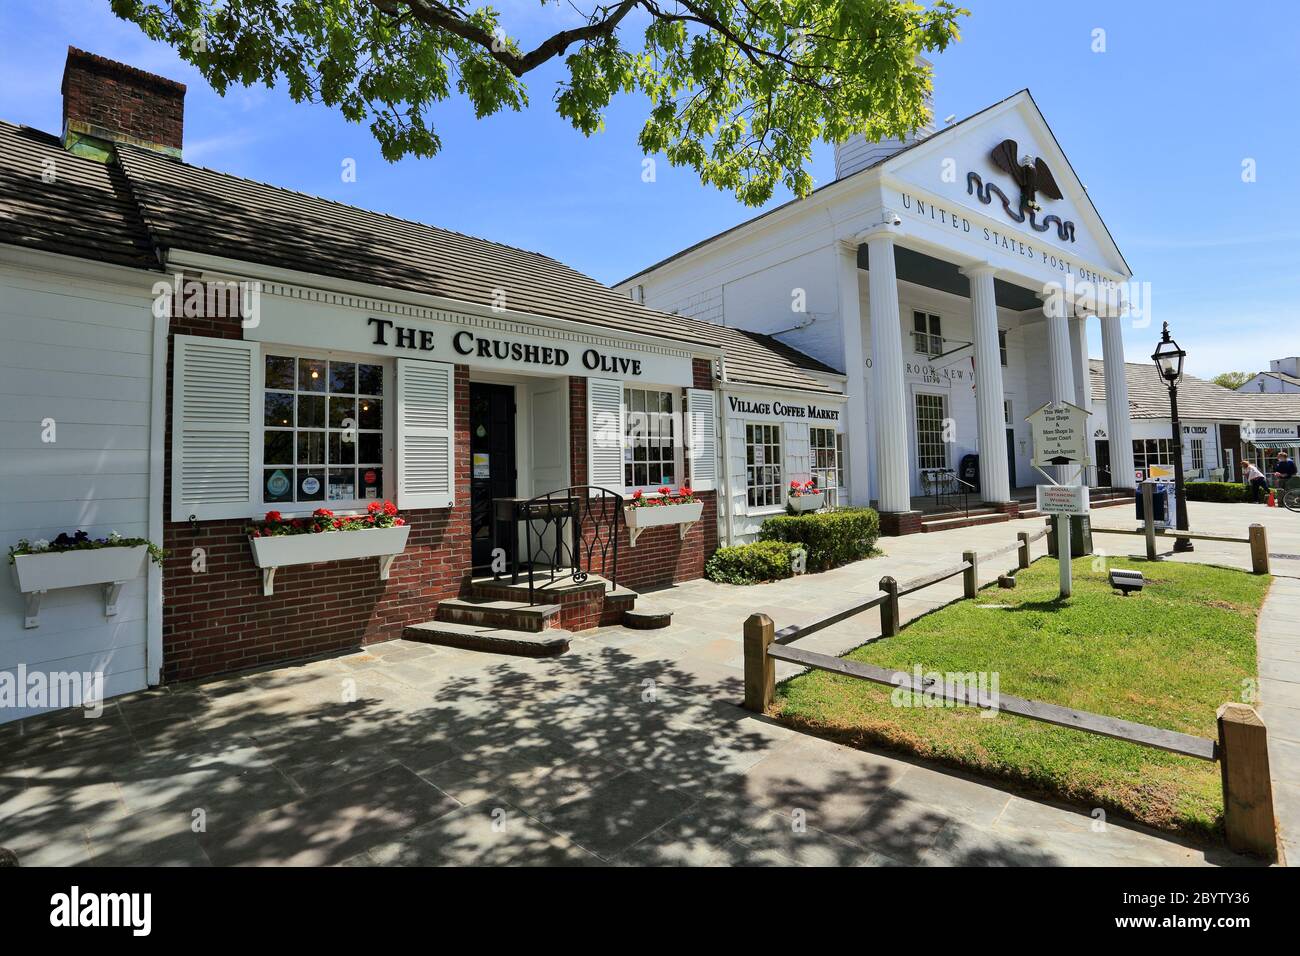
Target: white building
{"points": [[1282, 377], [927, 274]]}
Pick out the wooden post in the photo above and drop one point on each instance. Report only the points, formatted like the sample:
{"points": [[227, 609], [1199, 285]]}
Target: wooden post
{"points": [[1063, 555], [1051, 538], [1023, 538], [1258, 549], [889, 607], [760, 669], [970, 577], [1149, 513], [1247, 788]]}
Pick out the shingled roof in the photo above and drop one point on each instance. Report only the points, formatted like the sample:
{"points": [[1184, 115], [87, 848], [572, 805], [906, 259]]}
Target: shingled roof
{"points": [[1197, 398], [133, 210]]}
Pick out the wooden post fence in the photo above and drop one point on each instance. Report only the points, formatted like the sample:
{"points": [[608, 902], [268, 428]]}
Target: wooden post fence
{"points": [[1258, 549], [970, 578], [1149, 514], [889, 607], [1247, 787], [1023, 550], [760, 669]]}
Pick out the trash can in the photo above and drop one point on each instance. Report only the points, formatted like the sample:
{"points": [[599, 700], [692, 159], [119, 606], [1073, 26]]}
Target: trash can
{"points": [[969, 471], [1160, 500], [1080, 537]]}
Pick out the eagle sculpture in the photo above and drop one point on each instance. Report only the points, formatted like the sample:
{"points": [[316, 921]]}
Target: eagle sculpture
{"points": [[1032, 175]]}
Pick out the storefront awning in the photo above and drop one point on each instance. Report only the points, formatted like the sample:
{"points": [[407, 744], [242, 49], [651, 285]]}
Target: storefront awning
{"points": [[1283, 443]]}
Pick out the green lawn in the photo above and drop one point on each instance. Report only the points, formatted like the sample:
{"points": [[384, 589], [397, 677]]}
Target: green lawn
{"points": [[1166, 657]]}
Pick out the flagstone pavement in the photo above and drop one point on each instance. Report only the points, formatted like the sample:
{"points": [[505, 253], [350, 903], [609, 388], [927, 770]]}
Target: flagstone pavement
{"points": [[630, 749]]}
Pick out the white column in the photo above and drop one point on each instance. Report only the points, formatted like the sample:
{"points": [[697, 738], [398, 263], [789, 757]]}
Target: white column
{"points": [[889, 397], [855, 363], [1118, 426], [1082, 379], [995, 481], [1060, 368]]}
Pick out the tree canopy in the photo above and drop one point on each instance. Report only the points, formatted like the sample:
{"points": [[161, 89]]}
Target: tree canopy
{"points": [[738, 90], [1232, 380]]}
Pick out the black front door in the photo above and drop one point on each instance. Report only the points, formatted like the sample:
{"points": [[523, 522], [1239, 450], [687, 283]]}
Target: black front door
{"points": [[1104, 478], [492, 461], [1011, 457]]}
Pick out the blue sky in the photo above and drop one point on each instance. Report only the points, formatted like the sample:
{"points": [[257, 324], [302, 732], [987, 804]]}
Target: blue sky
{"points": [[1157, 127]]}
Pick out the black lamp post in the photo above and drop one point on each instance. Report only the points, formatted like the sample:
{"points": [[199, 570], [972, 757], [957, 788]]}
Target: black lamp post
{"points": [[1169, 363]]}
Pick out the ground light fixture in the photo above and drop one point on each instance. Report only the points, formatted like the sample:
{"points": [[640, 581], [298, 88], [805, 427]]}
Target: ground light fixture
{"points": [[1169, 364], [1126, 581]]}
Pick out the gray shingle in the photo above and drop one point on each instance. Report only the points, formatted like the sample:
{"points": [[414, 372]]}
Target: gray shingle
{"points": [[1197, 398]]}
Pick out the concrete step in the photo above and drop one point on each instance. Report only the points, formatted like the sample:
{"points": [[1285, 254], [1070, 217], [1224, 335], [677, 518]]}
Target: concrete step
{"points": [[647, 618], [513, 615], [958, 513], [964, 522], [493, 640]]}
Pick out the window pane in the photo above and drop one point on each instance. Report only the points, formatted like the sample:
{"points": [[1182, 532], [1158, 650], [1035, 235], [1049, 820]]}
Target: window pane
{"points": [[343, 377], [279, 372], [311, 448], [278, 409], [277, 484], [311, 484], [311, 411], [343, 412], [277, 448], [311, 375], [371, 481], [342, 484], [370, 379], [370, 448], [342, 452], [371, 414]]}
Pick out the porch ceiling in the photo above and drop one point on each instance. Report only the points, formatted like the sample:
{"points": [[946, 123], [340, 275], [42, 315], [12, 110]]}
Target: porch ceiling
{"points": [[924, 270]]}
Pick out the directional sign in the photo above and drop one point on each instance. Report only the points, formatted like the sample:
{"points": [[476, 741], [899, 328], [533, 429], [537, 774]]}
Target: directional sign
{"points": [[1060, 432], [1063, 499]]}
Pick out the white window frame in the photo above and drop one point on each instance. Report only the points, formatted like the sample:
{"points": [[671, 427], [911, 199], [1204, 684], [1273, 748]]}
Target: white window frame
{"points": [[916, 422], [389, 465], [930, 342], [1196, 453], [836, 450], [677, 419], [1002, 347], [779, 485], [1163, 454]]}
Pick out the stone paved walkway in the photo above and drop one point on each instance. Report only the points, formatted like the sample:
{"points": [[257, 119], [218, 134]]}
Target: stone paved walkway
{"points": [[629, 749]]}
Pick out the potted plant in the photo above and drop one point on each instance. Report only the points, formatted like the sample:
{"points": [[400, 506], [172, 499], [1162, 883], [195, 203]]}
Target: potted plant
{"points": [[278, 541], [667, 507], [78, 560], [804, 496]]}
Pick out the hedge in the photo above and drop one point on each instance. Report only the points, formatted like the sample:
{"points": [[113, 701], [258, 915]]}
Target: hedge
{"points": [[752, 563], [1229, 491], [831, 538]]}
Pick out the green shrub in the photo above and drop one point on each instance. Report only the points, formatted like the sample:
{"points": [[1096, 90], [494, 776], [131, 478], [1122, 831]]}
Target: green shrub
{"points": [[752, 563], [1230, 491], [831, 538]]}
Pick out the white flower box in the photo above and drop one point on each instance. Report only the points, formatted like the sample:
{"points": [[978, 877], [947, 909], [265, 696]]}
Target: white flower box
{"points": [[278, 551], [808, 501], [656, 516], [110, 567]]}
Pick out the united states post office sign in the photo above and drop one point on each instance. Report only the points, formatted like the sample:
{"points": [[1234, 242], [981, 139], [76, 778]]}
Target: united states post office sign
{"points": [[501, 346]]}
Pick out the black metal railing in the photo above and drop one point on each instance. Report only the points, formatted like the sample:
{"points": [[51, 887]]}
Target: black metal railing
{"points": [[947, 489], [570, 533]]}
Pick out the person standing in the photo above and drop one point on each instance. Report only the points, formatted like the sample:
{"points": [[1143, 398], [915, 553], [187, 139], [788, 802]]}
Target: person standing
{"points": [[1283, 471], [1255, 480]]}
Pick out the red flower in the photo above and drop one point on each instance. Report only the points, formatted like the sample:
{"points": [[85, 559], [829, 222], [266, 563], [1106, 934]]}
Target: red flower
{"points": [[398, 522], [637, 493], [323, 513], [685, 492], [374, 507], [665, 490], [390, 509], [297, 522], [272, 516], [795, 484]]}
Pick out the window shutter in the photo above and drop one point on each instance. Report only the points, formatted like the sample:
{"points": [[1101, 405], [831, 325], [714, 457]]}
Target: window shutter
{"points": [[702, 409], [426, 434], [215, 427], [605, 431]]}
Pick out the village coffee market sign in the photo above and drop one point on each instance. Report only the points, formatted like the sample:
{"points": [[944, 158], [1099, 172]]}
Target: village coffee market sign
{"points": [[779, 409]]}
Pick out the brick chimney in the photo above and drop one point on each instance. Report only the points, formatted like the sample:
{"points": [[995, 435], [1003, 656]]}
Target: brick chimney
{"points": [[109, 102]]}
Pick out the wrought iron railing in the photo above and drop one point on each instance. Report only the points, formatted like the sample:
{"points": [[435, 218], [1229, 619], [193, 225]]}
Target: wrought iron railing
{"points": [[573, 533]]}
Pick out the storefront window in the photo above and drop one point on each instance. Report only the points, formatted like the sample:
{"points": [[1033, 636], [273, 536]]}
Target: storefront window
{"points": [[827, 448], [651, 439], [1197, 454], [931, 449], [763, 459], [323, 436], [1153, 451]]}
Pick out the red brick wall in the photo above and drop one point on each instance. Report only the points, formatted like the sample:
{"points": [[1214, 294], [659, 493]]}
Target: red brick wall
{"points": [[577, 431], [218, 621], [121, 99]]}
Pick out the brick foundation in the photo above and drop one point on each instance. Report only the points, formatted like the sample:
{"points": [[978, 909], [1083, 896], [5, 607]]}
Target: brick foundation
{"points": [[896, 523]]}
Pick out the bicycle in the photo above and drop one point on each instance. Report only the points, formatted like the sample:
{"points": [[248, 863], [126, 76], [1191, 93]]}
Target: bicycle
{"points": [[1288, 496]]}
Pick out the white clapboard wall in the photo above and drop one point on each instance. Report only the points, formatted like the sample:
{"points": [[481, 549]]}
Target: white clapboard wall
{"points": [[78, 351]]}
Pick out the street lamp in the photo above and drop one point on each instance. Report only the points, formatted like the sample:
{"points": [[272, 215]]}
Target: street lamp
{"points": [[1169, 364]]}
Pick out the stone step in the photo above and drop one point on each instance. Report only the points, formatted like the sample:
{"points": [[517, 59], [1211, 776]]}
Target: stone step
{"points": [[514, 615], [964, 522], [959, 513], [493, 640], [647, 618]]}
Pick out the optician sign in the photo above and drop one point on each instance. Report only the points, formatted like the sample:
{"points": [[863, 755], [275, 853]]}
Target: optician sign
{"points": [[1268, 431], [479, 342]]}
